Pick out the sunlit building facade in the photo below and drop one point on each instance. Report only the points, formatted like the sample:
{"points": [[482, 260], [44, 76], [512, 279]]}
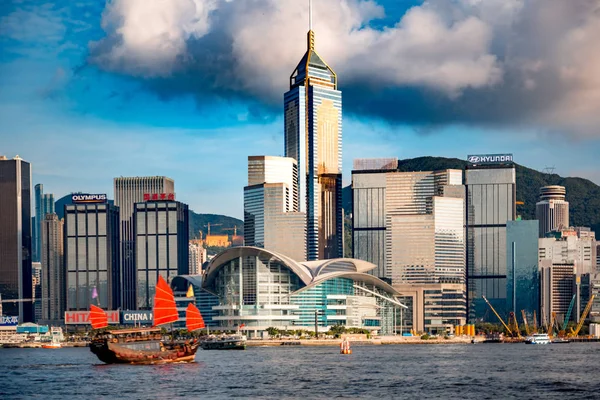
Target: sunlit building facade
{"points": [[313, 137], [54, 289], [161, 232], [261, 289], [271, 220], [490, 203], [128, 191], [92, 256], [552, 211]]}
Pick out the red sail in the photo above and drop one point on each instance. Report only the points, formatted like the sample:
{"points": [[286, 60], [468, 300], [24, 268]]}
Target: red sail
{"points": [[193, 318], [165, 310], [98, 317]]}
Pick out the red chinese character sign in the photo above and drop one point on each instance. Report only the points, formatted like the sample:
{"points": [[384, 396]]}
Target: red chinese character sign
{"points": [[159, 196]]}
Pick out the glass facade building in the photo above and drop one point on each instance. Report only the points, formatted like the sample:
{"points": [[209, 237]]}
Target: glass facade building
{"points": [[271, 220], [490, 203], [128, 191], [15, 238], [523, 284], [313, 137], [91, 240], [44, 204], [54, 288], [161, 231], [262, 289]]}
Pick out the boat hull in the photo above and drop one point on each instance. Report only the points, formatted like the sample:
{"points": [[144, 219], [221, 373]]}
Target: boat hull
{"points": [[114, 353], [223, 346]]}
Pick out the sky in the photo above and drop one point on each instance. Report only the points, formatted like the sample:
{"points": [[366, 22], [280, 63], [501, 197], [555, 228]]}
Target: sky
{"points": [[92, 90]]}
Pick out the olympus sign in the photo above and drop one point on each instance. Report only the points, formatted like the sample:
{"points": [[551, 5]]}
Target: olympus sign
{"points": [[490, 159], [88, 198]]}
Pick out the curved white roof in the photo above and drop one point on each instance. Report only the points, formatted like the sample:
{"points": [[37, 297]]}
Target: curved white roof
{"points": [[310, 272]]}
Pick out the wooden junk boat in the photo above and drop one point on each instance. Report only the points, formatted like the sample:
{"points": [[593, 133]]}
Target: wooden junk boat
{"points": [[146, 345]]}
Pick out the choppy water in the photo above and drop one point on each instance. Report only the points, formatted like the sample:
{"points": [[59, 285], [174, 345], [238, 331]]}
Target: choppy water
{"points": [[482, 371]]}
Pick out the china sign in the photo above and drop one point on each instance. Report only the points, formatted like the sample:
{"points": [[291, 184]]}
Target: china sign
{"points": [[136, 317], [490, 159], [80, 198], [159, 196], [7, 320], [83, 317]]}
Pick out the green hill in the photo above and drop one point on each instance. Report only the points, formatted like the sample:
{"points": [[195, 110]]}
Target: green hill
{"points": [[219, 224], [583, 195]]}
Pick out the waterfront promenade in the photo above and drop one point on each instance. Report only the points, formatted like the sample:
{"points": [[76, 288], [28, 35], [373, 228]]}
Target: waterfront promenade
{"points": [[384, 340]]}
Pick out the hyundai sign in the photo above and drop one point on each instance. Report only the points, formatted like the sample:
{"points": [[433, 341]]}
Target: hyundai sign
{"points": [[482, 159], [136, 317], [81, 198], [7, 320]]}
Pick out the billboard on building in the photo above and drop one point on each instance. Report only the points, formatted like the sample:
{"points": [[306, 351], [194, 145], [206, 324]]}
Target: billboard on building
{"points": [[8, 320], [81, 198], [485, 159], [136, 317], [83, 317]]}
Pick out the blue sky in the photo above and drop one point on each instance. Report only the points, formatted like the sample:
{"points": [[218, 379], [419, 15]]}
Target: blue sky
{"points": [[189, 88]]}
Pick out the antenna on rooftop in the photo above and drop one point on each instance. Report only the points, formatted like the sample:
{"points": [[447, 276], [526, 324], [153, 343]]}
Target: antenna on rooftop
{"points": [[310, 15]]}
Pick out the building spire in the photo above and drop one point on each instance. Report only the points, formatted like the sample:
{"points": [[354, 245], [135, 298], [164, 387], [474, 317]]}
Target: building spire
{"points": [[310, 37]]}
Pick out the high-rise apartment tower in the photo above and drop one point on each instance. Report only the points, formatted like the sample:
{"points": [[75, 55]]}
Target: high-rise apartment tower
{"points": [[552, 211]]}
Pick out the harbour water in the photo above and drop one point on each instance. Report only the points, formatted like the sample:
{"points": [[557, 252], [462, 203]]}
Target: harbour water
{"points": [[481, 371]]}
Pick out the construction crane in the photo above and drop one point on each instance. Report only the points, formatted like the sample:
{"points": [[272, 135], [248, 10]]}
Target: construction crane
{"points": [[499, 317], [535, 325], [568, 316], [208, 225], [525, 322], [512, 322], [234, 229], [551, 327], [587, 309]]}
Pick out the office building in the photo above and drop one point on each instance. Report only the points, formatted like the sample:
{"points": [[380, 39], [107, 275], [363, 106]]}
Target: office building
{"points": [[557, 286], [15, 238], [161, 232], [197, 254], [411, 224], [54, 289], [270, 219], [490, 202], [523, 285], [128, 191], [92, 255], [552, 211], [36, 275], [567, 246], [44, 204], [313, 137]]}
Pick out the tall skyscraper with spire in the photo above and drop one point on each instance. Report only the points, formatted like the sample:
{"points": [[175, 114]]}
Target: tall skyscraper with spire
{"points": [[313, 137]]}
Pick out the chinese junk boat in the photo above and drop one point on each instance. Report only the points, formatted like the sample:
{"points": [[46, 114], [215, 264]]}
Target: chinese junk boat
{"points": [[146, 345]]}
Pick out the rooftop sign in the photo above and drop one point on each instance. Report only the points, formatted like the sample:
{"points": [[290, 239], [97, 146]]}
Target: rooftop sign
{"points": [[482, 159], [159, 196], [7, 320], [80, 198]]}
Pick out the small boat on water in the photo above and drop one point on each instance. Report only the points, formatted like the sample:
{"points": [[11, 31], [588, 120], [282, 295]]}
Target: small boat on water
{"points": [[224, 342], [560, 340], [538, 338], [146, 345], [345, 347], [54, 344]]}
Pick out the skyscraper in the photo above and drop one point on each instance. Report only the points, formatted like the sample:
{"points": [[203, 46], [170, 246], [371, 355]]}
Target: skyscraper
{"points": [[44, 204], [92, 255], [161, 231], [54, 288], [129, 191], [490, 202], [270, 219], [552, 211], [15, 237], [313, 137]]}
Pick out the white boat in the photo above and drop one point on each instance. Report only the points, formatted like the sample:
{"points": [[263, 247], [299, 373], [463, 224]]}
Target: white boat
{"points": [[538, 338]]}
